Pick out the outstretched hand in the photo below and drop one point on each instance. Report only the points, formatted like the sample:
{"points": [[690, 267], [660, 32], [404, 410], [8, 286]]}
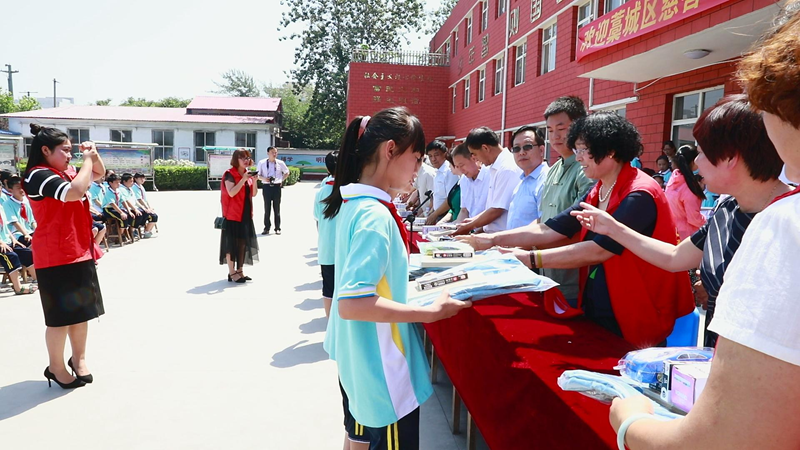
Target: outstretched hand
{"points": [[523, 255], [595, 220], [479, 242]]}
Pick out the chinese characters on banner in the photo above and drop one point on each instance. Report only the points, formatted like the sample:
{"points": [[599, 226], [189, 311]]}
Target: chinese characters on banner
{"points": [[389, 92], [636, 18]]}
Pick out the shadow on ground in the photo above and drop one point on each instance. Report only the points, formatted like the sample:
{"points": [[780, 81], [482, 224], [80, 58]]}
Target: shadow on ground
{"points": [[310, 304], [215, 287], [311, 286], [317, 325], [17, 398], [297, 355]]}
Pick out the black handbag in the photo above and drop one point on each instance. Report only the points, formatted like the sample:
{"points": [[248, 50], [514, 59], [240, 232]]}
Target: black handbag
{"points": [[219, 223]]}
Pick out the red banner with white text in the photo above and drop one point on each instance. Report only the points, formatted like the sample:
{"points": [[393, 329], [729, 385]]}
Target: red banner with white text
{"points": [[636, 18]]}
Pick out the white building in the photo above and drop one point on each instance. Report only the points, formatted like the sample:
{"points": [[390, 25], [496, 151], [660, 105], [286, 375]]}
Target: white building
{"points": [[180, 133]]}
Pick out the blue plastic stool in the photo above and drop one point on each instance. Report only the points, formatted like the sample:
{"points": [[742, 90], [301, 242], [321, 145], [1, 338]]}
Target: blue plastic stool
{"points": [[685, 332]]}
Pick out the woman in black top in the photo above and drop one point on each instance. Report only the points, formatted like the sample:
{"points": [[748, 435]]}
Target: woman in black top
{"points": [[238, 242], [737, 158]]}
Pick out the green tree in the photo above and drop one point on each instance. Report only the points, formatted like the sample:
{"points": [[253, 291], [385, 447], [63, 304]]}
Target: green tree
{"points": [[331, 29], [104, 102], [295, 107], [168, 102], [7, 104], [237, 83], [437, 17]]}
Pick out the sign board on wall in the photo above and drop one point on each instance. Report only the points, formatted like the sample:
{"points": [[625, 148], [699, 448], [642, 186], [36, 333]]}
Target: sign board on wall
{"points": [[184, 153], [308, 161], [218, 165]]}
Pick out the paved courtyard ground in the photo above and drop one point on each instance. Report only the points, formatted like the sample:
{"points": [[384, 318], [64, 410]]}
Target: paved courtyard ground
{"points": [[185, 360]]}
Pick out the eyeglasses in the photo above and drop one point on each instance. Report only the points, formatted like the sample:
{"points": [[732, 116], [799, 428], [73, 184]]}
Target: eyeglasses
{"points": [[246, 158], [526, 147], [580, 152]]}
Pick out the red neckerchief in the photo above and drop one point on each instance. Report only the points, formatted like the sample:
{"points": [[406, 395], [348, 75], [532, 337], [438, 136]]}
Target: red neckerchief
{"points": [[23, 211], [329, 183], [788, 194], [400, 226]]}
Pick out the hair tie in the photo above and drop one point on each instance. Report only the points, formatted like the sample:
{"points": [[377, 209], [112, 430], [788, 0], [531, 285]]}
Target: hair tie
{"points": [[364, 122]]}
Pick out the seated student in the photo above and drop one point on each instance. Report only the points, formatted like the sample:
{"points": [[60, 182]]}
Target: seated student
{"points": [[143, 217], [15, 256], [20, 221], [664, 170], [659, 179], [4, 192], [141, 192], [114, 206], [95, 194]]}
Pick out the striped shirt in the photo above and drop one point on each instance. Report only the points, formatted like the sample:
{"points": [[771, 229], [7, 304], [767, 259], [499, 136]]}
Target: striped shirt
{"points": [[719, 239], [42, 183]]}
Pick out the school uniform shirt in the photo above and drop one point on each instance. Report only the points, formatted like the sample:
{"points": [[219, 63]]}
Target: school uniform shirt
{"points": [[96, 193], [423, 184], [503, 177], [4, 195], [140, 192], [665, 174], [277, 170], [382, 366], [112, 196], [5, 234], [130, 196], [444, 181], [13, 209], [326, 228], [757, 305], [474, 192], [524, 207]]}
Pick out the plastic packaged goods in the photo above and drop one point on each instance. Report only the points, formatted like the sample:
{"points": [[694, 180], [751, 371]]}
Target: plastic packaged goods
{"points": [[494, 274], [644, 366]]}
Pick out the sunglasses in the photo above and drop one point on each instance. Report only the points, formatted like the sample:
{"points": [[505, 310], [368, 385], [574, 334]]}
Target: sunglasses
{"points": [[526, 147]]}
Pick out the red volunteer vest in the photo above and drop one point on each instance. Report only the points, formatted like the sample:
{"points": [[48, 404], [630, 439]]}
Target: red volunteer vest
{"points": [[232, 207], [63, 232], [646, 299]]}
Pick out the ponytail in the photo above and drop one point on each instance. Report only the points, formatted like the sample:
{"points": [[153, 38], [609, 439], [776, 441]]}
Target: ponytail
{"points": [[360, 145], [683, 160], [43, 137]]}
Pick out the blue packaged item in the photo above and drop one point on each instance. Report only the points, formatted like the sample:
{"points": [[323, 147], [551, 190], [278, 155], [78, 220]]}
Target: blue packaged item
{"points": [[644, 366]]}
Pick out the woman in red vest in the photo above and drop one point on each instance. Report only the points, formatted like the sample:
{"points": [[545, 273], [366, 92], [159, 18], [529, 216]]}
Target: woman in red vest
{"points": [[238, 245], [64, 252], [619, 290]]}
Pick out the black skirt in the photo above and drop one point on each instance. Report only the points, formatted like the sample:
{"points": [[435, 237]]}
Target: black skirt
{"points": [[70, 294], [240, 236]]}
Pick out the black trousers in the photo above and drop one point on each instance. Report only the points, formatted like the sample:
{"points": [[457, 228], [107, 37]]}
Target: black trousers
{"points": [[272, 200]]}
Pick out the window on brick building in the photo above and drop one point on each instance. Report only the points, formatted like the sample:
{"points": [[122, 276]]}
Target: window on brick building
{"points": [[498, 75], [519, 68], [484, 15], [454, 100], [686, 108], [466, 93], [481, 85], [549, 48], [501, 7], [585, 14], [469, 29], [613, 4], [455, 44]]}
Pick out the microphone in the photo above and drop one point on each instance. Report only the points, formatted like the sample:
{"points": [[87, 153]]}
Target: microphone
{"points": [[411, 217]]}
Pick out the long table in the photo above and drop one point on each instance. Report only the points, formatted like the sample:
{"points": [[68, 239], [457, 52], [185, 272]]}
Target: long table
{"points": [[504, 356]]}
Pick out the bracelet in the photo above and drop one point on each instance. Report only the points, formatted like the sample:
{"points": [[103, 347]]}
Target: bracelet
{"points": [[539, 258], [532, 256], [623, 429]]}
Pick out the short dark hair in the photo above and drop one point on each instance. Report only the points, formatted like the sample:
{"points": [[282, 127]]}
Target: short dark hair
{"points": [[112, 178], [13, 181], [238, 153], [670, 143], [732, 128], [536, 131], [461, 150], [664, 157], [330, 161], [572, 105], [138, 175], [270, 148], [436, 145], [481, 136], [604, 132], [126, 176]]}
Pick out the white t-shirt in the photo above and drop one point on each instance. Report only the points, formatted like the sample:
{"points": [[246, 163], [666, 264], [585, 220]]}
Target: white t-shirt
{"points": [[474, 192], [277, 170], [504, 176], [423, 184], [758, 304], [444, 181]]}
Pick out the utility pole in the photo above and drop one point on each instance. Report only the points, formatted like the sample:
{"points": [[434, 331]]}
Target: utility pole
{"points": [[28, 93], [10, 78], [55, 98]]}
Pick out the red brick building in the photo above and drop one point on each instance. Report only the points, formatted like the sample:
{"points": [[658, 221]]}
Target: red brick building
{"points": [[499, 63]]}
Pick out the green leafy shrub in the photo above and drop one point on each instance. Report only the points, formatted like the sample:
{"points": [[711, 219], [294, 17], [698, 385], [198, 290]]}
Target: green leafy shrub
{"points": [[294, 176], [180, 178]]}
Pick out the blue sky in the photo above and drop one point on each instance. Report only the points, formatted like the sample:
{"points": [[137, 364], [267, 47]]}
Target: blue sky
{"points": [[148, 48]]}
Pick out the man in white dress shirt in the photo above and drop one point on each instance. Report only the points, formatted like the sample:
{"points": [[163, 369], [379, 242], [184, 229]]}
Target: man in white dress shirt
{"points": [[444, 181], [504, 176], [422, 184], [474, 182], [273, 173]]}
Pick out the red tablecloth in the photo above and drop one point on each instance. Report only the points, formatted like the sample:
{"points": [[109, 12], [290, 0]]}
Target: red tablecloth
{"points": [[416, 238], [504, 355]]}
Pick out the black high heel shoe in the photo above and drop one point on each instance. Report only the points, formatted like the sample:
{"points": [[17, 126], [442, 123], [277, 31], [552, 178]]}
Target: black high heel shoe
{"points": [[49, 375], [245, 277], [85, 378]]}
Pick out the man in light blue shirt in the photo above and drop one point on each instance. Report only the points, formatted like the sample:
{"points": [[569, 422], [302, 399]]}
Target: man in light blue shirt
{"points": [[528, 150]]}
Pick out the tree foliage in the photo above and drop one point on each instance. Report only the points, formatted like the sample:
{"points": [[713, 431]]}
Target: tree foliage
{"points": [[7, 104], [237, 83], [437, 17], [329, 31], [295, 107], [168, 102], [104, 102]]}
